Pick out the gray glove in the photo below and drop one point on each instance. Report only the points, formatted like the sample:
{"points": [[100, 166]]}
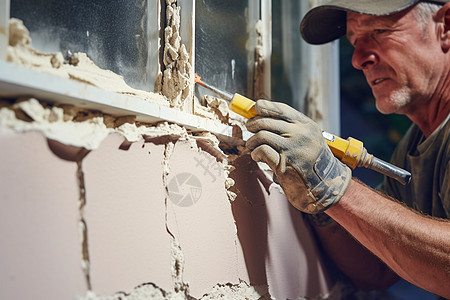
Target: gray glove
{"points": [[293, 147]]}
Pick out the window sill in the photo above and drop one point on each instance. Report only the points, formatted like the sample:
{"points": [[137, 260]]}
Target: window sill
{"points": [[16, 81]]}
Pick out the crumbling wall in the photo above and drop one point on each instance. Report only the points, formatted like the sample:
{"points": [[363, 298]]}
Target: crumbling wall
{"points": [[96, 206], [155, 211]]}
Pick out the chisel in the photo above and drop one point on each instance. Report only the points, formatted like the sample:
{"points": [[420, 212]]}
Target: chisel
{"points": [[350, 151]]}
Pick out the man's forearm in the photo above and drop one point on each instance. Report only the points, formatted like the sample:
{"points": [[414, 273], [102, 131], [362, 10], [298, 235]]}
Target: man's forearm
{"points": [[414, 246], [363, 268]]}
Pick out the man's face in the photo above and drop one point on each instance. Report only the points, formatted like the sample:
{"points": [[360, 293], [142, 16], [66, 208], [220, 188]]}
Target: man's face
{"points": [[398, 58]]}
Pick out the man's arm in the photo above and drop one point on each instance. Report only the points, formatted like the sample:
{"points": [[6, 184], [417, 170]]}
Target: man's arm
{"points": [[414, 246], [362, 267]]}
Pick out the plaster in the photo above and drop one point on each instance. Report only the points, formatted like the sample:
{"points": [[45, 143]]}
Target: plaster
{"points": [[155, 211], [138, 239], [220, 291], [76, 127], [175, 82]]}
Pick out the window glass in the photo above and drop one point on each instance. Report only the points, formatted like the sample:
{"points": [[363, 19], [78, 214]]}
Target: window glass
{"points": [[117, 35], [223, 51]]}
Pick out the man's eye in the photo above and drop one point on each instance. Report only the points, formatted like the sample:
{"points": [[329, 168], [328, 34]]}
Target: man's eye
{"points": [[380, 30]]}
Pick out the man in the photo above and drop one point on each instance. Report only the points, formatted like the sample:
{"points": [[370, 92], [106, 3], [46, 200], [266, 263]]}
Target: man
{"points": [[403, 49]]}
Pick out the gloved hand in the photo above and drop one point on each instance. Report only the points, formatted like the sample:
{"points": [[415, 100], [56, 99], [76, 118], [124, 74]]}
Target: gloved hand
{"points": [[293, 147]]}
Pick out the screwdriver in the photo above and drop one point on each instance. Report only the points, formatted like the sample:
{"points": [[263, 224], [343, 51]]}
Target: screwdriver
{"points": [[350, 151], [238, 103]]}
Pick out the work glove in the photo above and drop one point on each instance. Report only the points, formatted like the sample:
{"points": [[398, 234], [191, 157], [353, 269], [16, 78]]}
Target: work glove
{"points": [[294, 148]]}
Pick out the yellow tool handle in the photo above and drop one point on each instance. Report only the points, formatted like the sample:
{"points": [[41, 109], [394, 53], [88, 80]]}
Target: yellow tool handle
{"points": [[350, 151], [353, 154], [243, 106]]}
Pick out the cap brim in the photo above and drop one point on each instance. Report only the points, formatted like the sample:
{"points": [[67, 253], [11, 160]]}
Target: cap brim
{"points": [[327, 22]]}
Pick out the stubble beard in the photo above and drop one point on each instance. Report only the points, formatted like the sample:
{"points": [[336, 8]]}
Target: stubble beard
{"points": [[397, 100]]}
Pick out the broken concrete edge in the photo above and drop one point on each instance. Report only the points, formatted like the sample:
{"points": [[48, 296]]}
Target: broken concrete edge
{"points": [[72, 131], [177, 255], [241, 290]]}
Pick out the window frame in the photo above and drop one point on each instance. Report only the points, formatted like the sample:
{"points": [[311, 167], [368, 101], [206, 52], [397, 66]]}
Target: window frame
{"points": [[324, 71]]}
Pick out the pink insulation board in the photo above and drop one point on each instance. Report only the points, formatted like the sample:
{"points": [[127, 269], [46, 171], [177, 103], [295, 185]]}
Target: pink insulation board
{"points": [[40, 248], [127, 240], [139, 197], [204, 227]]}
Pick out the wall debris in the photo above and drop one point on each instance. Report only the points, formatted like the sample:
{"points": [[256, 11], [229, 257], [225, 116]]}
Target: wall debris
{"points": [[221, 291], [175, 82]]}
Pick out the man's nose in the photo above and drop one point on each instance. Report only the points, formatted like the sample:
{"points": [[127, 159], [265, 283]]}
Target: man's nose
{"points": [[364, 56]]}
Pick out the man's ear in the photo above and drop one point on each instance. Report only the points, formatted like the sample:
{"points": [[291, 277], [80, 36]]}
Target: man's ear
{"points": [[442, 19]]}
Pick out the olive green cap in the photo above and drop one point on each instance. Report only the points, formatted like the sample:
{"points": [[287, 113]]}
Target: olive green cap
{"points": [[327, 22]]}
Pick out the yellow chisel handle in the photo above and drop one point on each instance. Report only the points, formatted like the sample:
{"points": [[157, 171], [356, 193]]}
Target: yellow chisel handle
{"points": [[243, 106]]}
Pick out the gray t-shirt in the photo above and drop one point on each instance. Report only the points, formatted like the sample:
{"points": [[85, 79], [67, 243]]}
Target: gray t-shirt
{"points": [[428, 160]]}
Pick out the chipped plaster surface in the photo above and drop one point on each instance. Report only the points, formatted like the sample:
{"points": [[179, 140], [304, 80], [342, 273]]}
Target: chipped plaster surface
{"points": [[126, 210], [138, 232], [60, 124], [190, 268], [75, 127]]}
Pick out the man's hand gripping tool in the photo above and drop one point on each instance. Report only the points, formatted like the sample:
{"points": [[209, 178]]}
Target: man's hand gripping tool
{"points": [[350, 151]]}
